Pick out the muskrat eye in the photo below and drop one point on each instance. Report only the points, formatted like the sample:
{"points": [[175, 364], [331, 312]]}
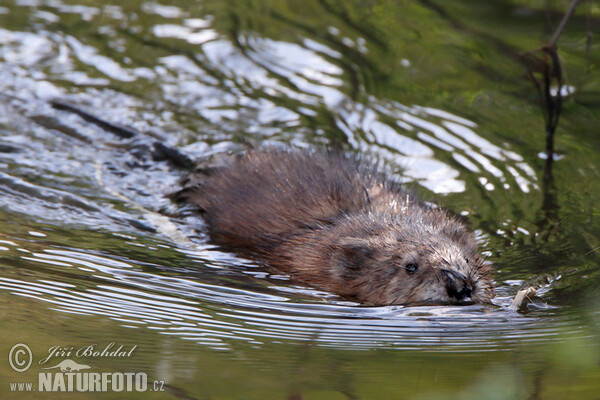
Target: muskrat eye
{"points": [[411, 268]]}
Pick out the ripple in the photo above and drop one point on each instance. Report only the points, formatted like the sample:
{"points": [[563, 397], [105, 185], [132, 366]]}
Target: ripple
{"points": [[238, 87], [185, 81], [89, 55], [217, 316]]}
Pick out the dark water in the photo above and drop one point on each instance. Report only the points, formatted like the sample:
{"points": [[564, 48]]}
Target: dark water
{"points": [[434, 89]]}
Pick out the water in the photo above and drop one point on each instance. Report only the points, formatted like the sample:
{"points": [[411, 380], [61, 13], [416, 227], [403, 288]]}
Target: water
{"points": [[87, 256]]}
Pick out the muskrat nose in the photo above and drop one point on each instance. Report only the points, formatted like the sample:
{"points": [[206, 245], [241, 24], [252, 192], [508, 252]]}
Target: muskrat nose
{"points": [[463, 294], [457, 286], [460, 294]]}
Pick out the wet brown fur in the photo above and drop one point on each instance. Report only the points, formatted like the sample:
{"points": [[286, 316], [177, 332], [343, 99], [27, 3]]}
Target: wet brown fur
{"points": [[336, 223]]}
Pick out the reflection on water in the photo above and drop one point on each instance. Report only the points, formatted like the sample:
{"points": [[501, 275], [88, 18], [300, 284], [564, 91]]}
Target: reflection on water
{"points": [[218, 313], [258, 86], [266, 88]]}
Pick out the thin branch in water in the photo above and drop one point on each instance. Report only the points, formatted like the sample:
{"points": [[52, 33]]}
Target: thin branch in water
{"points": [[551, 84], [563, 23], [588, 41], [591, 251]]}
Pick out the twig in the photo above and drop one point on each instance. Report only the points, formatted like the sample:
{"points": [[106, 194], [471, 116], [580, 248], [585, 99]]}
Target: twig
{"points": [[552, 74], [521, 296], [588, 42], [561, 27]]}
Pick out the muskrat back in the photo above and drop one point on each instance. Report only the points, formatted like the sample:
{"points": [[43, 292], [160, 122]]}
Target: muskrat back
{"points": [[337, 223]]}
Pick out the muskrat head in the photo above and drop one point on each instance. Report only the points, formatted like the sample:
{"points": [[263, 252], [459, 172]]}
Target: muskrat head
{"points": [[418, 265]]}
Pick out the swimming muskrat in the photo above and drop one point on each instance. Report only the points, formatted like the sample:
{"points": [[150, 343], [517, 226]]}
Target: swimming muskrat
{"points": [[330, 220], [337, 223]]}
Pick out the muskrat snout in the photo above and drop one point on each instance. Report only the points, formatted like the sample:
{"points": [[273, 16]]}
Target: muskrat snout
{"points": [[458, 286]]}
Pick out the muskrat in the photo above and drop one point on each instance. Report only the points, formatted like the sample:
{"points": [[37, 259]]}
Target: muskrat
{"points": [[337, 223], [330, 220]]}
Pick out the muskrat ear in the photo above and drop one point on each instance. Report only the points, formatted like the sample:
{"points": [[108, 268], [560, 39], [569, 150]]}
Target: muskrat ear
{"points": [[456, 231], [353, 252]]}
